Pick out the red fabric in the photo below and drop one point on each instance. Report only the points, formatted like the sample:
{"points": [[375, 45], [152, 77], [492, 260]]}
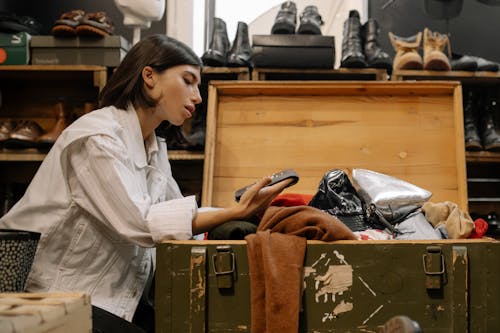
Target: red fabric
{"points": [[291, 199], [480, 228]]}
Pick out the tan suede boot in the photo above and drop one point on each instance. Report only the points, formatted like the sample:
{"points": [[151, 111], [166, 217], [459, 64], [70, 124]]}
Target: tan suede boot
{"points": [[434, 57], [406, 48]]}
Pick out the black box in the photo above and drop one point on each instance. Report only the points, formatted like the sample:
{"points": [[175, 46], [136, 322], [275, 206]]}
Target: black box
{"points": [[293, 51]]}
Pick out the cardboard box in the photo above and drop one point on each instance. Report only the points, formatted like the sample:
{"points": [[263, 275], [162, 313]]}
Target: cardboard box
{"points": [[14, 48], [293, 51], [409, 130], [107, 51], [45, 313]]}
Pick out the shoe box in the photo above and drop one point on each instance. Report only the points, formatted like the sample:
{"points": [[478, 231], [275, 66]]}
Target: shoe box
{"points": [[106, 51], [293, 51], [14, 48]]}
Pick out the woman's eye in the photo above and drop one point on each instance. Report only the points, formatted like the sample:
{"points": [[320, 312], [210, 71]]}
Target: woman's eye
{"points": [[187, 81]]}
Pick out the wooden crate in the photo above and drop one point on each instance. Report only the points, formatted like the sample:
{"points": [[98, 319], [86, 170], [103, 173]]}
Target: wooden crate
{"points": [[410, 130], [45, 313]]}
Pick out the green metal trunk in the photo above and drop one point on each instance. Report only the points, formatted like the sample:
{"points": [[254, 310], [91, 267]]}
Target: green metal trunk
{"points": [[349, 286]]}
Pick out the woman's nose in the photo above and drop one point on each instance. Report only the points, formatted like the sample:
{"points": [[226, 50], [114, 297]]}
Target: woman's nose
{"points": [[197, 96]]}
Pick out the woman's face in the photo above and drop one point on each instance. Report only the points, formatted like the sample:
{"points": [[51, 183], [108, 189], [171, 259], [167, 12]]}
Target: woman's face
{"points": [[177, 93]]}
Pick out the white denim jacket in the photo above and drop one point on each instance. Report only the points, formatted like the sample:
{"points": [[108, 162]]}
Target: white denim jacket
{"points": [[102, 200]]}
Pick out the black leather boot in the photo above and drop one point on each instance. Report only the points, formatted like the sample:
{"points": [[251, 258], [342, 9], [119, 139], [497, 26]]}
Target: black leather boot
{"points": [[310, 21], [196, 137], [375, 56], [241, 51], [174, 136], [489, 134], [219, 45], [352, 53], [286, 19], [471, 136]]}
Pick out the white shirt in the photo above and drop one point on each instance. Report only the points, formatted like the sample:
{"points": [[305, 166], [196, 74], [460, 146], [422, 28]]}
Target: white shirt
{"points": [[101, 201]]}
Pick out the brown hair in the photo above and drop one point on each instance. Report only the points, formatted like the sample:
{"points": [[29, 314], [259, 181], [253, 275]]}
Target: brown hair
{"points": [[126, 85]]}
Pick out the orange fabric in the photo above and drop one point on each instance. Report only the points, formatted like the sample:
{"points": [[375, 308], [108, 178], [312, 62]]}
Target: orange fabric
{"points": [[275, 267], [305, 221], [275, 259]]}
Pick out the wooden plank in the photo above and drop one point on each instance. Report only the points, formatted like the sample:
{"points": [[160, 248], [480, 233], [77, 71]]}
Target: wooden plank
{"points": [[396, 128], [198, 291], [63, 68], [460, 293], [45, 312], [208, 170]]}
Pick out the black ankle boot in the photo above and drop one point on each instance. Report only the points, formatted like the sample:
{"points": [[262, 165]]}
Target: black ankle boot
{"points": [[471, 136], [375, 56], [310, 21], [241, 51], [197, 134], [352, 55], [489, 134], [286, 19], [219, 45]]}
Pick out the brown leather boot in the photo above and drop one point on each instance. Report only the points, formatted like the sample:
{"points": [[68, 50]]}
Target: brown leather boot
{"points": [[63, 120], [406, 48], [434, 57]]}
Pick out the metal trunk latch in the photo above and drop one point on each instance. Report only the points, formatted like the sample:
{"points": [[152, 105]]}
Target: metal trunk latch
{"points": [[434, 267], [224, 264]]}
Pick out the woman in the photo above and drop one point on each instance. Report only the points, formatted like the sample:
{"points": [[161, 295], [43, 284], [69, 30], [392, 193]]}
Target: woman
{"points": [[104, 195]]}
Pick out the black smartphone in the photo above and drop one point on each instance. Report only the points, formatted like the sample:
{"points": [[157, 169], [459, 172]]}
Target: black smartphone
{"points": [[275, 178]]}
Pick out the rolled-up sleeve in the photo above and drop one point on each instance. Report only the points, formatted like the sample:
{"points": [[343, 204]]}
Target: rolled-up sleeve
{"points": [[106, 183]]}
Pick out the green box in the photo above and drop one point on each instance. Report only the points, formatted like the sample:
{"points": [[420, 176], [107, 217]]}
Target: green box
{"points": [[107, 51], [14, 48]]}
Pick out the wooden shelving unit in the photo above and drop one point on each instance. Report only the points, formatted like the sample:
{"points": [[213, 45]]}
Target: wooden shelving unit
{"points": [[352, 74], [462, 76]]}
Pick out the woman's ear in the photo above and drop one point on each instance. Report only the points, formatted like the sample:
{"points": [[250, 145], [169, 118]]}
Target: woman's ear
{"points": [[148, 76]]}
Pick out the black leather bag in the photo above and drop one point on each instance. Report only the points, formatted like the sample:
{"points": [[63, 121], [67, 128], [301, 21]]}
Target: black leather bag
{"points": [[339, 198]]}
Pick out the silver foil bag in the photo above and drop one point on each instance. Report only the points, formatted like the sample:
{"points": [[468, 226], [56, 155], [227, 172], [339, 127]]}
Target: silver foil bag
{"points": [[392, 197]]}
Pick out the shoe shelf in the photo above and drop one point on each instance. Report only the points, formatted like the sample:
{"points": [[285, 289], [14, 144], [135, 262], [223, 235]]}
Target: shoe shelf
{"points": [[462, 76], [98, 74], [185, 155], [482, 157], [221, 73], [31, 92], [33, 155], [24, 155], [353, 74]]}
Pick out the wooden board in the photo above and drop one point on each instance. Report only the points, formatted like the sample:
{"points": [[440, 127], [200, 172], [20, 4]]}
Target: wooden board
{"points": [[45, 313], [410, 130]]}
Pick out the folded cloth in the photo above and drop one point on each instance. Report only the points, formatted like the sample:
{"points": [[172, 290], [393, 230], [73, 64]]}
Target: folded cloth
{"points": [[232, 230], [416, 227], [305, 221], [275, 268], [459, 224]]}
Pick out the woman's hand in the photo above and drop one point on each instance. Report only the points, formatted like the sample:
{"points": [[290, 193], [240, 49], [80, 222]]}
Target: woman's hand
{"points": [[259, 196], [253, 202]]}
